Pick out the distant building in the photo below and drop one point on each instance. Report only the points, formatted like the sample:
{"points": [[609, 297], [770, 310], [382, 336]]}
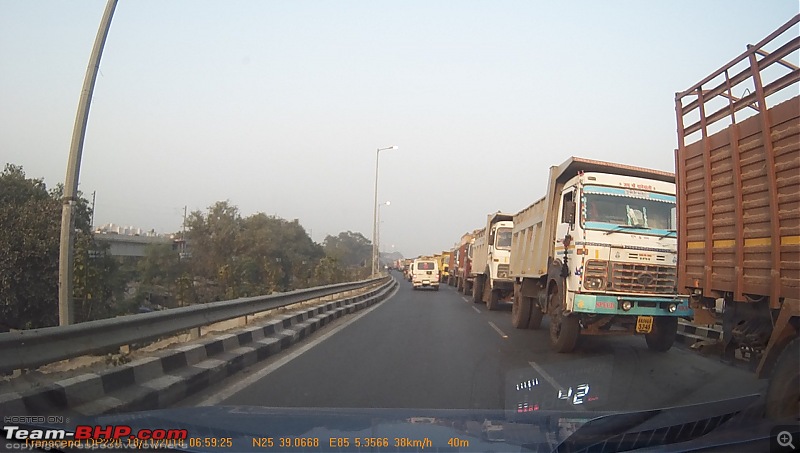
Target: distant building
{"points": [[113, 228], [131, 241]]}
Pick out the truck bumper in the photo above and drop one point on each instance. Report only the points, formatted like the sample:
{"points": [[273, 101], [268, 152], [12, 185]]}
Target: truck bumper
{"points": [[502, 284], [640, 305]]}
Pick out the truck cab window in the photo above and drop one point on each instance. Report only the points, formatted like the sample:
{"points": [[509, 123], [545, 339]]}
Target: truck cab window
{"points": [[503, 240], [568, 208]]}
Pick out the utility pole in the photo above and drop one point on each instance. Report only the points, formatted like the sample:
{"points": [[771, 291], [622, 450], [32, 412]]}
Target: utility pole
{"points": [[94, 198], [183, 236], [66, 312]]}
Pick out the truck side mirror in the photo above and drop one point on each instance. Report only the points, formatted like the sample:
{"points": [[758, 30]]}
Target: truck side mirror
{"points": [[568, 212], [491, 238]]}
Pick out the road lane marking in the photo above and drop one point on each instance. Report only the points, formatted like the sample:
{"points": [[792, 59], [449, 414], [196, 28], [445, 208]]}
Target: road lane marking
{"points": [[291, 354], [465, 299], [476, 309], [498, 329], [550, 380]]}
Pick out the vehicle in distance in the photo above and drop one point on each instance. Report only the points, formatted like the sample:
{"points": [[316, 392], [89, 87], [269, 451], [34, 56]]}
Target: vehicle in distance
{"points": [[463, 271], [425, 273], [491, 253], [597, 254]]}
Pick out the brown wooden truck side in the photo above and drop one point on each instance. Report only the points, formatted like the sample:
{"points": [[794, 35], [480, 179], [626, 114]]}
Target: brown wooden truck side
{"points": [[738, 186]]}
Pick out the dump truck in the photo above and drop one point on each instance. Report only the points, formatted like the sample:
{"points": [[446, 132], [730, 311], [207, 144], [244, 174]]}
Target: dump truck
{"points": [[738, 184], [452, 266], [491, 254], [598, 255], [463, 263], [444, 265]]}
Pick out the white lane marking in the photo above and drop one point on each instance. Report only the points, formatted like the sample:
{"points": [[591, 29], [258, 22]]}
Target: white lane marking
{"points": [[497, 329], [465, 299], [476, 309], [551, 381], [238, 386]]}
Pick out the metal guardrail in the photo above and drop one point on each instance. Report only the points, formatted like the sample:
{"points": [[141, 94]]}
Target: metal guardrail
{"points": [[33, 348]]}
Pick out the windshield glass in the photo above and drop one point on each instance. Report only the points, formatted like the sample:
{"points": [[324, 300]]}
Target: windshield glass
{"points": [[606, 208], [502, 238], [226, 205]]}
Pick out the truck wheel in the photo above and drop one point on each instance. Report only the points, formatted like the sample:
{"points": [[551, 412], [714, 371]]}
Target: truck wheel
{"points": [[436, 288], [477, 289], [663, 335], [564, 330], [493, 301], [537, 314], [459, 285], [783, 391], [520, 311]]}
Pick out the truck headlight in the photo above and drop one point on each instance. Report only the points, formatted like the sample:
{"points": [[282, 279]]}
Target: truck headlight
{"points": [[672, 308], [626, 305], [594, 283]]}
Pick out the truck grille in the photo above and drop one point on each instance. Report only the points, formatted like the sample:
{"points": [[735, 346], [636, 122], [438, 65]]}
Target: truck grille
{"points": [[503, 271], [597, 268], [643, 278]]}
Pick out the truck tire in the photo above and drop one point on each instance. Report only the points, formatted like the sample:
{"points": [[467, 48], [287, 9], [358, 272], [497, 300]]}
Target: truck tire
{"points": [[783, 390], [477, 289], [520, 311], [661, 339], [537, 314], [460, 285], [564, 330], [493, 301]]}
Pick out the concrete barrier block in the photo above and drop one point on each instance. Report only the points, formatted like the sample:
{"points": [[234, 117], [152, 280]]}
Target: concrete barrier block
{"points": [[82, 388], [146, 368]]}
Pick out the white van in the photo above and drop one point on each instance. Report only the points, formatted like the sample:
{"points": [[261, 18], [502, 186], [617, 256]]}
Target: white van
{"points": [[425, 273]]}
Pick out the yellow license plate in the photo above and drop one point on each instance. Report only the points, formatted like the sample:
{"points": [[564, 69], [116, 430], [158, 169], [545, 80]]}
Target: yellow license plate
{"points": [[644, 324]]}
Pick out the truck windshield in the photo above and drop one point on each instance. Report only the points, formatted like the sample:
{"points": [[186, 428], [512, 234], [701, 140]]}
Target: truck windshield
{"points": [[605, 208], [503, 238]]}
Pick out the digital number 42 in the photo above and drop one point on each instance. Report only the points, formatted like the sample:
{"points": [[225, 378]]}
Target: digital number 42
{"points": [[577, 397]]}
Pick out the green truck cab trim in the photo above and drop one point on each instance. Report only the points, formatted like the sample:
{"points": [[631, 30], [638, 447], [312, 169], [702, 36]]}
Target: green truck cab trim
{"points": [[610, 305]]}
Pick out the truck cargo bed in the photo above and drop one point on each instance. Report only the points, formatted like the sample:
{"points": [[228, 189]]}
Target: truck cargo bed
{"points": [[739, 181]]}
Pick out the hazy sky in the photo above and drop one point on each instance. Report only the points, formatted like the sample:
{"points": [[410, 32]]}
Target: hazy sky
{"points": [[279, 106]]}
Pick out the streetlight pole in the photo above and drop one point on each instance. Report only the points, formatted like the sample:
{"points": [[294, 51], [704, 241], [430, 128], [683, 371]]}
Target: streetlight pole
{"points": [[66, 312], [375, 214], [378, 237]]}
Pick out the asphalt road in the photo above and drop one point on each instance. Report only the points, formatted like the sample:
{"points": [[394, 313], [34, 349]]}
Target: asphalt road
{"points": [[428, 349]]}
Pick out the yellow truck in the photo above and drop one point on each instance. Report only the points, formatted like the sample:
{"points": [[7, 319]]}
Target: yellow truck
{"points": [[444, 265]]}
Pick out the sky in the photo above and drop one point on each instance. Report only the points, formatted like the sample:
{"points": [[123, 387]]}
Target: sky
{"points": [[279, 106]]}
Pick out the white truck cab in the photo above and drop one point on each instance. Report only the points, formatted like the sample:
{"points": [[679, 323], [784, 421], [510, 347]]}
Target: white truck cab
{"points": [[491, 261]]}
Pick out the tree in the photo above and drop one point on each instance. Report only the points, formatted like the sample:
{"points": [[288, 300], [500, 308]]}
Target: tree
{"points": [[349, 248], [30, 228], [29, 233]]}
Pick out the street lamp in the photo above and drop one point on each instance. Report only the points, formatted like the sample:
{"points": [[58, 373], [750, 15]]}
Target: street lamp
{"points": [[378, 240], [375, 214]]}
